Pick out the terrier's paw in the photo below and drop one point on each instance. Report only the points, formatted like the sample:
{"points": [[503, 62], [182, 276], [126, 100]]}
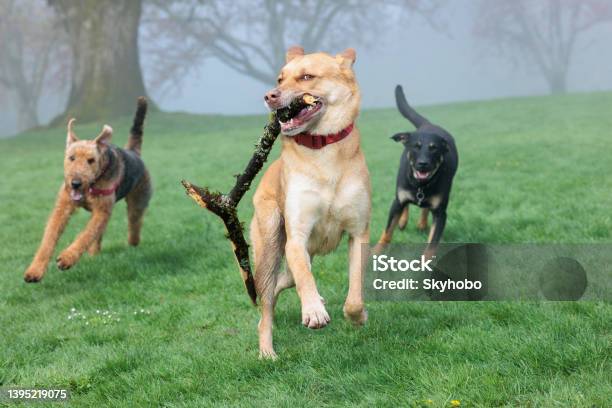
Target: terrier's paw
{"points": [[356, 313], [67, 259], [34, 273], [267, 354], [314, 315]]}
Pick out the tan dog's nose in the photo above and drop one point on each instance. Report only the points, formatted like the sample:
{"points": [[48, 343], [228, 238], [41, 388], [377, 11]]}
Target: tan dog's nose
{"points": [[76, 183], [272, 98]]}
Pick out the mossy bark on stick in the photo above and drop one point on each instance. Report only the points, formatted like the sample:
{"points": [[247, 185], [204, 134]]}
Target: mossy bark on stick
{"points": [[225, 205]]}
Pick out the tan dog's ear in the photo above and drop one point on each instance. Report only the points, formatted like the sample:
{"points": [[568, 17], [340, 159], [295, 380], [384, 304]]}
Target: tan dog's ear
{"points": [[104, 137], [347, 57], [292, 52], [71, 136]]}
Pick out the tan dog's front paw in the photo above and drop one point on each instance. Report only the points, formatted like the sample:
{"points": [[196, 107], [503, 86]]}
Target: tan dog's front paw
{"points": [[267, 354], [314, 315], [356, 313], [34, 273], [67, 259]]}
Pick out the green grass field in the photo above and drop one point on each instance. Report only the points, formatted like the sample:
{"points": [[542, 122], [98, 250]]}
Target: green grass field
{"points": [[183, 332]]}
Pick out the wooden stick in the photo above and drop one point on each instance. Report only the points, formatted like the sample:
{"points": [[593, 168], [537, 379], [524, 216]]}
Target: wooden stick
{"points": [[225, 205]]}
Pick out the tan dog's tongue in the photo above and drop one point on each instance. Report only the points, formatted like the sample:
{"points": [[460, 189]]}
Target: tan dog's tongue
{"points": [[76, 195]]}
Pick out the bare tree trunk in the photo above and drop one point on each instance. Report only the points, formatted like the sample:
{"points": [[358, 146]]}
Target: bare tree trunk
{"points": [[106, 73], [557, 82], [27, 114]]}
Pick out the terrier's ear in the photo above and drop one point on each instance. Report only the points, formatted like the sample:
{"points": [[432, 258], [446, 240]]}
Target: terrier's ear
{"points": [[292, 52], [105, 136], [401, 137], [71, 136], [347, 57]]}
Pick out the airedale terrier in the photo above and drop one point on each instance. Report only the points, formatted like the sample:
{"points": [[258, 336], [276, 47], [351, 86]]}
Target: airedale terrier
{"points": [[96, 175]]}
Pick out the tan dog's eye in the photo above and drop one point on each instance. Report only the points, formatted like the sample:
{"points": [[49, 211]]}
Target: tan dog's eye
{"points": [[306, 77], [279, 80], [71, 158], [91, 161]]}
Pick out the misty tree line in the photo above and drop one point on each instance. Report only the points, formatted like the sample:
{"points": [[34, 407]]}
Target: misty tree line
{"points": [[91, 50]]}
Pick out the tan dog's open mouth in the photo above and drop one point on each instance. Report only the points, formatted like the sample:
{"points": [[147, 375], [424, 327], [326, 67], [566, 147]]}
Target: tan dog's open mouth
{"points": [[76, 195], [299, 112]]}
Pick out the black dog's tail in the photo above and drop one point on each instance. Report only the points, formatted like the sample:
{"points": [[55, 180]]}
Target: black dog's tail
{"points": [[135, 140], [406, 110]]}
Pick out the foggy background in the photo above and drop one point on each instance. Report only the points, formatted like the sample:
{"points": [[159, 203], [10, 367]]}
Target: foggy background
{"points": [[440, 51]]}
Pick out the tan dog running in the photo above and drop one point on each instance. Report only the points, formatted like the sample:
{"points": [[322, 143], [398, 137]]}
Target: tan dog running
{"points": [[316, 191], [96, 175]]}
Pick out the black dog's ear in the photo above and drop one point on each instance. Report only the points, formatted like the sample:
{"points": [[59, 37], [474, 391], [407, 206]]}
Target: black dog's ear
{"points": [[445, 147], [401, 137]]}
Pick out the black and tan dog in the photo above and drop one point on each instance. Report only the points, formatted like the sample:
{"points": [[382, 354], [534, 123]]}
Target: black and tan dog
{"points": [[427, 167], [96, 175]]}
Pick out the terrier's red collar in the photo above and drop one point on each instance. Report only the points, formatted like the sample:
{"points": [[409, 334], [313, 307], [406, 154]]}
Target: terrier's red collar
{"points": [[319, 141], [104, 191]]}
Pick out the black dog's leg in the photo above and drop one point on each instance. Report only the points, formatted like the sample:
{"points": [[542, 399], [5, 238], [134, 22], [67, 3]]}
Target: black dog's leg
{"points": [[394, 215], [435, 233], [403, 220]]}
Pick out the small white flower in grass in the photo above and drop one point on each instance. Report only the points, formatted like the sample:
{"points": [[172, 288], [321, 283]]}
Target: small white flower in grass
{"points": [[69, 317], [97, 311], [73, 310]]}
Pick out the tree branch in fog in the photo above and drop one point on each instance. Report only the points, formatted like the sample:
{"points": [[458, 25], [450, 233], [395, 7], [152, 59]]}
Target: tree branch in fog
{"points": [[33, 57], [544, 33], [251, 36]]}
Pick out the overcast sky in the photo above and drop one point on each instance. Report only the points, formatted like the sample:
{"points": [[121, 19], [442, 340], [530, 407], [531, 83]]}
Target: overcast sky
{"points": [[433, 67]]}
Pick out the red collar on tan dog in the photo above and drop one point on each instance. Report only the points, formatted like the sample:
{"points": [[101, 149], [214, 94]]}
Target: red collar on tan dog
{"points": [[319, 141], [104, 191]]}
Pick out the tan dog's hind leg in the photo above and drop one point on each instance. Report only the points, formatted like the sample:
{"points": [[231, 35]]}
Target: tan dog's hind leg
{"points": [[134, 225], [422, 224], [137, 201], [354, 308], [94, 230], [403, 218], [55, 226], [267, 238], [283, 281]]}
